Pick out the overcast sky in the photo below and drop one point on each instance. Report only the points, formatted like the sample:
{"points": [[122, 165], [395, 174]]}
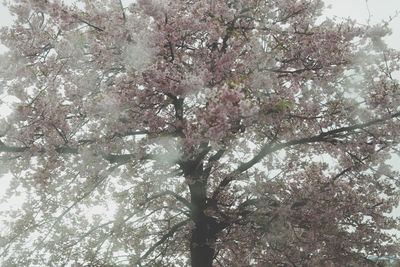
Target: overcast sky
{"points": [[376, 10]]}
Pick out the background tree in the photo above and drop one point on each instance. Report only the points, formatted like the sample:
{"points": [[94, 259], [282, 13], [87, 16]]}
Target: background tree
{"points": [[224, 133]]}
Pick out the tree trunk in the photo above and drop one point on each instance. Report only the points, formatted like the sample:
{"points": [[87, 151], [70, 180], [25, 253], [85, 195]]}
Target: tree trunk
{"points": [[202, 235], [200, 251], [206, 228]]}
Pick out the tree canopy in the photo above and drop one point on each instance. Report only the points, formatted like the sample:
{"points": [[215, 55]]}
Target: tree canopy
{"points": [[197, 132]]}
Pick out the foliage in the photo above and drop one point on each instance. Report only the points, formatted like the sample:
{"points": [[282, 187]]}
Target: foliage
{"points": [[202, 132]]}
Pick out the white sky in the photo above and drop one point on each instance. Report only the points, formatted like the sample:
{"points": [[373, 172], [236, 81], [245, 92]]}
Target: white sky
{"points": [[377, 10]]}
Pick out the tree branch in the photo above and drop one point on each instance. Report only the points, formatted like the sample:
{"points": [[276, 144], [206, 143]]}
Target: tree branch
{"points": [[123, 11], [270, 148], [91, 188], [90, 25], [169, 234], [168, 192], [111, 158], [11, 149]]}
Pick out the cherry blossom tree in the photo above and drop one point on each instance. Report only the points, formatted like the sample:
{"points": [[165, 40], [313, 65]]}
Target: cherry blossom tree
{"points": [[197, 132]]}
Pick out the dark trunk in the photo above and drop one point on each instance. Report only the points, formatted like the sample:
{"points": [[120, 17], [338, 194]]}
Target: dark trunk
{"points": [[203, 239], [202, 235], [200, 251], [206, 228]]}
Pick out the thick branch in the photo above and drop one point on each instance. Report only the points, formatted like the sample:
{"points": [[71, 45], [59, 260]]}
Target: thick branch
{"points": [[111, 158], [217, 155], [270, 148], [325, 136]]}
